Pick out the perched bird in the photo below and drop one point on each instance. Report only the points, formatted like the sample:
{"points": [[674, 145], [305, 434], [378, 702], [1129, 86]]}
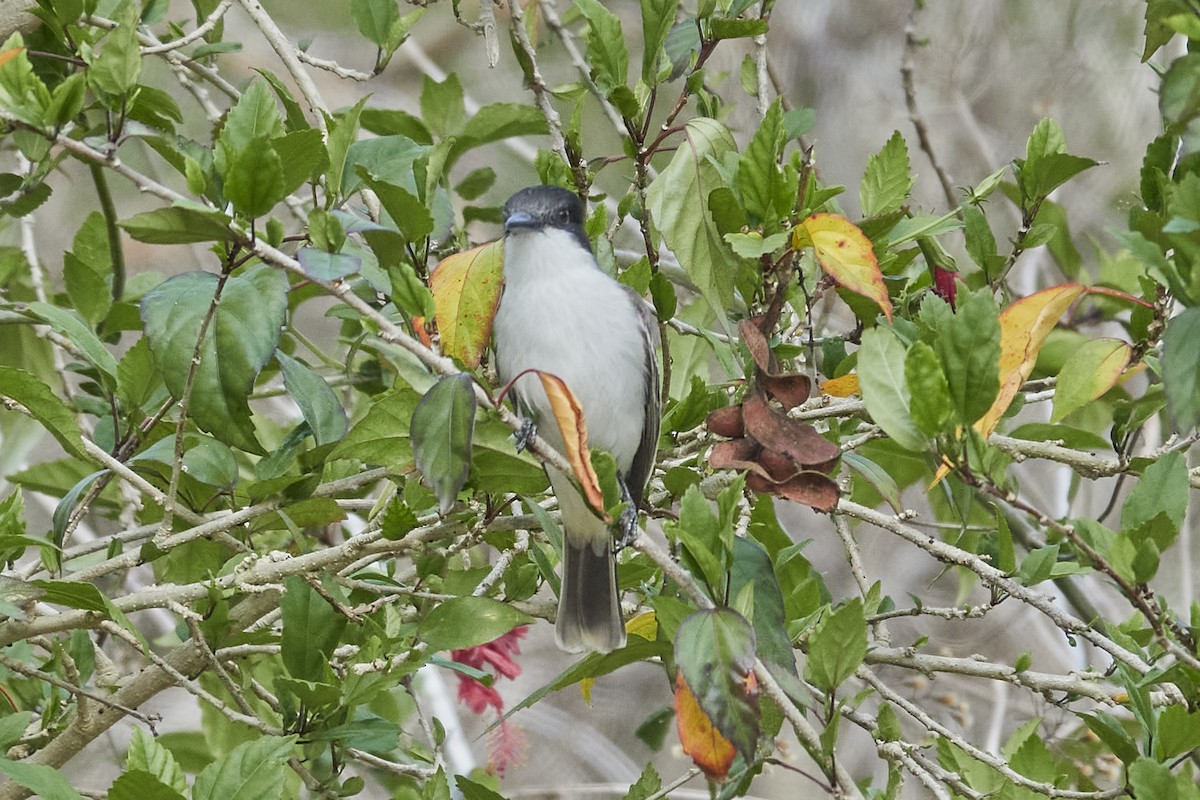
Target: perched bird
{"points": [[561, 314]]}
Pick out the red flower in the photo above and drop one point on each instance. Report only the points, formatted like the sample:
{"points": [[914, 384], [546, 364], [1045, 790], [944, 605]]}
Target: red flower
{"points": [[945, 284], [507, 742]]}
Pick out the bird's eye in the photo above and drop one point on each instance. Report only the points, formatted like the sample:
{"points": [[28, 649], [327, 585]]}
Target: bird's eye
{"points": [[562, 215]]}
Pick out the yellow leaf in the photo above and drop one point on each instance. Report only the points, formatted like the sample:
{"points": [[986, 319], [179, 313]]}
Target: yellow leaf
{"points": [[711, 751], [844, 386], [1024, 326], [573, 427], [585, 688], [846, 255], [466, 293], [644, 625]]}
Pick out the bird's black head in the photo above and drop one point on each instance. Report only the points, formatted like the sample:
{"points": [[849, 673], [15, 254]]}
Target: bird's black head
{"points": [[543, 207]]}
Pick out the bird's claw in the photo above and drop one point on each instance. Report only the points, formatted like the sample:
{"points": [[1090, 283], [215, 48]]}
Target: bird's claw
{"points": [[525, 436], [628, 522]]}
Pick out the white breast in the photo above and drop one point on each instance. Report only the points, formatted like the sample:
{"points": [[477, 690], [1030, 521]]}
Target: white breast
{"points": [[561, 314]]}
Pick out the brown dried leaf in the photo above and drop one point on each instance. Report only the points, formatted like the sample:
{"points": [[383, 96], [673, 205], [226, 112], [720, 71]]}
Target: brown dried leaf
{"points": [[797, 440], [807, 488], [735, 454], [790, 390], [726, 422]]}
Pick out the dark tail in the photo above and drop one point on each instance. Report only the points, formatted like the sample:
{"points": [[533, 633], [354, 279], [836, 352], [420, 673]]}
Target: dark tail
{"points": [[589, 610]]}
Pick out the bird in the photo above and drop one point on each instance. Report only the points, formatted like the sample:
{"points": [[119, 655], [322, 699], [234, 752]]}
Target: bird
{"points": [[560, 313]]}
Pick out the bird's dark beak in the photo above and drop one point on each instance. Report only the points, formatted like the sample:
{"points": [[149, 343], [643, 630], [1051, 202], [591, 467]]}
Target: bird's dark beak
{"points": [[519, 220]]}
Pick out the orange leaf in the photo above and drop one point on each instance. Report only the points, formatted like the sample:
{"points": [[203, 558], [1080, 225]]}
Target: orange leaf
{"points": [[9, 54], [573, 427], [841, 387], [711, 751], [846, 255], [466, 293], [1024, 326]]}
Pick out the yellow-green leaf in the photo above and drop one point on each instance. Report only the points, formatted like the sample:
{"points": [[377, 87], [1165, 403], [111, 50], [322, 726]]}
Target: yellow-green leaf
{"points": [[846, 255], [1024, 327], [466, 292], [1093, 370]]}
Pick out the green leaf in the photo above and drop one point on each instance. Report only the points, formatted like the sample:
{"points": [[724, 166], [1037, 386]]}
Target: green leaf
{"points": [[75, 329], [375, 18], [253, 770], [877, 476], [714, 649], [66, 506], [980, 241], [210, 462], [881, 368], [495, 122], [1162, 489], [311, 630], [381, 437], [705, 540], [752, 568], [67, 100], [727, 28], [759, 178], [442, 107], [302, 154], [607, 55], [327, 266], [136, 784], [1047, 165], [497, 467], [1038, 566], [318, 403], [1151, 780], [887, 181], [1178, 732], [115, 71], [254, 117], [343, 133], [441, 430], [464, 622], [649, 783], [179, 225], [44, 781], [73, 594], [148, 755], [254, 179], [968, 345], [471, 790], [837, 646], [927, 385], [12, 727], [686, 224], [657, 18], [1181, 367], [410, 215], [87, 288], [1179, 95], [753, 245], [51, 412], [240, 339]]}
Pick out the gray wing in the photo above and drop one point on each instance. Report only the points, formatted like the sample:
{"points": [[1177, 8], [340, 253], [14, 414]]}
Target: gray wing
{"points": [[643, 459]]}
